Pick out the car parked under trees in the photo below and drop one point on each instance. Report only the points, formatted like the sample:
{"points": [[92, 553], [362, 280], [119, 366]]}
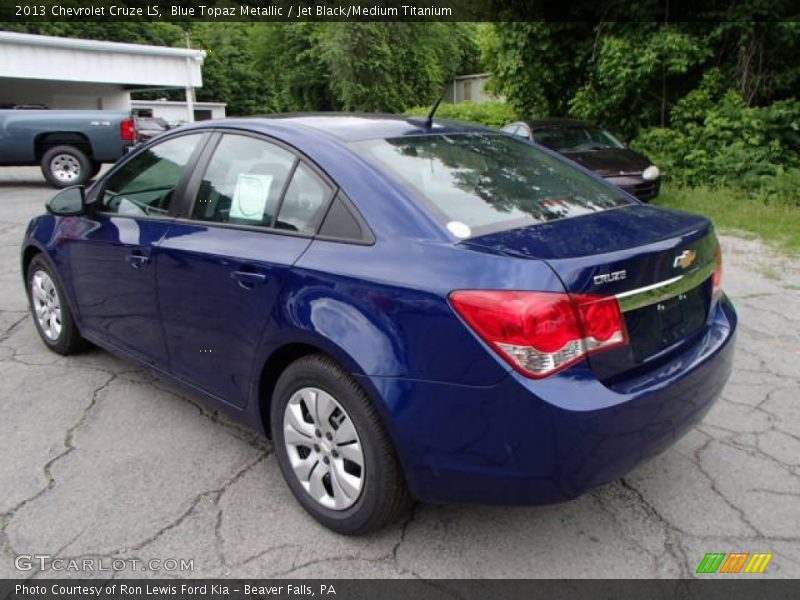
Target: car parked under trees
{"points": [[597, 150], [408, 308]]}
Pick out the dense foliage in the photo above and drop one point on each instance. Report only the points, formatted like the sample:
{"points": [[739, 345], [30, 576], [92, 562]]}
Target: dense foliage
{"points": [[362, 66], [714, 102], [717, 139]]}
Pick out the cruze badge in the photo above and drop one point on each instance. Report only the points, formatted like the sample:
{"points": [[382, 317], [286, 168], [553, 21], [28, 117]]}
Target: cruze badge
{"points": [[609, 277], [684, 259]]}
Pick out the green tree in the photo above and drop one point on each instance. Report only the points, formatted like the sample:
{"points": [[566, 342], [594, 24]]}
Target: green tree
{"points": [[629, 74], [230, 71], [289, 57], [538, 66], [637, 77], [392, 66]]}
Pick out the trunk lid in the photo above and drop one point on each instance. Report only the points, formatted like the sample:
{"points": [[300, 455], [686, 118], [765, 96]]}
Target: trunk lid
{"points": [[657, 262]]}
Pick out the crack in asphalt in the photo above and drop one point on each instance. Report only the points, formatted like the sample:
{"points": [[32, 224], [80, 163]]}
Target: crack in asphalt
{"points": [[254, 557], [214, 495], [47, 468], [219, 542], [327, 559], [11, 329], [607, 507], [774, 492], [412, 513], [672, 532], [697, 462], [389, 558], [752, 450]]}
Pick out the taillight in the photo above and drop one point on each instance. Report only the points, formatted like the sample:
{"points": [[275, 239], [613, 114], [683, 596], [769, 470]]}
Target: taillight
{"points": [[539, 333], [716, 278], [127, 130]]}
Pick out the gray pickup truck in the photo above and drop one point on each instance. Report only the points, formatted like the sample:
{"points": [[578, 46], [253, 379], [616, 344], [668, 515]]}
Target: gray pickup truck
{"points": [[69, 145]]}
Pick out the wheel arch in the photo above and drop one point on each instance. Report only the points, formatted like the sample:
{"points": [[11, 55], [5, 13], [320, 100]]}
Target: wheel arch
{"points": [[284, 355], [31, 250], [50, 139], [28, 253]]}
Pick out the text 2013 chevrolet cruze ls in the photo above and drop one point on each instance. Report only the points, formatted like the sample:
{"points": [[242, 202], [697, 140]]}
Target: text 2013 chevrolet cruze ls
{"points": [[409, 309]]}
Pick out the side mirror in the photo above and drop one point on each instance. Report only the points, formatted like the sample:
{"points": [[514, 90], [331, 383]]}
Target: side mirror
{"points": [[68, 202]]}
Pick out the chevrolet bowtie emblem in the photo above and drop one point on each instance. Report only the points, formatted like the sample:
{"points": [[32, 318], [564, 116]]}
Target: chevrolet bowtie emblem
{"points": [[684, 259]]}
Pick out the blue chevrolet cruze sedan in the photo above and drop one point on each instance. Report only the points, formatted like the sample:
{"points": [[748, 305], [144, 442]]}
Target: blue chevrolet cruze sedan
{"points": [[409, 309]]}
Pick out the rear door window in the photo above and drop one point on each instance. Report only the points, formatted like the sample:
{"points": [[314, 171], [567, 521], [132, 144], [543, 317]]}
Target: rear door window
{"points": [[305, 201], [244, 182]]}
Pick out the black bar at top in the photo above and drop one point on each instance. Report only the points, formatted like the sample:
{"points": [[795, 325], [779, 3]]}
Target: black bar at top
{"points": [[399, 10]]}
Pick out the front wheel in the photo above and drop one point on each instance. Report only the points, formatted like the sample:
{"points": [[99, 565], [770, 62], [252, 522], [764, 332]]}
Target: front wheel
{"points": [[333, 450], [64, 166], [50, 311]]}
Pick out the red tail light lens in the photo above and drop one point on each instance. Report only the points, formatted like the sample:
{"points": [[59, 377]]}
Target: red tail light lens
{"points": [[716, 278], [540, 333], [127, 130]]}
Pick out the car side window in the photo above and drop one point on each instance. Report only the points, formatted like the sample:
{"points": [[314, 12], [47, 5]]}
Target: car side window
{"points": [[145, 184], [343, 223], [305, 201], [243, 182], [513, 129]]}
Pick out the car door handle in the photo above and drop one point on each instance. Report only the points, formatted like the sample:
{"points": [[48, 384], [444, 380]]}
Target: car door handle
{"points": [[137, 259], [248, 279]]}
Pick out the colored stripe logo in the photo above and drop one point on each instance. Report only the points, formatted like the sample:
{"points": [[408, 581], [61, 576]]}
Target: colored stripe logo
{"points": [[734, 562]]}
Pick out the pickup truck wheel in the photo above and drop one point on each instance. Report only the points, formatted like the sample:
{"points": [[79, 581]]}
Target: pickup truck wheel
{"points": [[64, 166]]}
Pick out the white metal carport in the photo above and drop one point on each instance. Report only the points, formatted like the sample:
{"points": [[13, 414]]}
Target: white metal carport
{"points": [[70, 73]]}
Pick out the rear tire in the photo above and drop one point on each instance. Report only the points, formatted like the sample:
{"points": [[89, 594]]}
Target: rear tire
{"points": [[322, 426], [63, 166], [50, 311]]}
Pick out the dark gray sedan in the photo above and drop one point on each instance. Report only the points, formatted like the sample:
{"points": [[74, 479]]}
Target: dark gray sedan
{"points": [[597, 150]]}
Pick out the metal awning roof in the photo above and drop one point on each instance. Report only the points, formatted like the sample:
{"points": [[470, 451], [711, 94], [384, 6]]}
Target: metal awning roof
{"points": [[27, 56]]}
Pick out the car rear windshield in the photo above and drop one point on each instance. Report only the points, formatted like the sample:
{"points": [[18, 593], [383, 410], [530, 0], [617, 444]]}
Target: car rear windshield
{"points": [[489, 182]]}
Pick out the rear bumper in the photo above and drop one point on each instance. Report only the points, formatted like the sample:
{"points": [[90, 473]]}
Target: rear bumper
{"points": [[536, 442]]}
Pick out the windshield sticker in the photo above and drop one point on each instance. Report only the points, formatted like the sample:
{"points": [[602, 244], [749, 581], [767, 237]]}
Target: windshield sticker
{"points": [[459, 229]]}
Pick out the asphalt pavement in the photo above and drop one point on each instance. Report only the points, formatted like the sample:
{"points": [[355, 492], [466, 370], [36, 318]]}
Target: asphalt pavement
{"points": [[102, 460]]}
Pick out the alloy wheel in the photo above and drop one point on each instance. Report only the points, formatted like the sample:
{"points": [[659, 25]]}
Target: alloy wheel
{"points": [[46, 304]]}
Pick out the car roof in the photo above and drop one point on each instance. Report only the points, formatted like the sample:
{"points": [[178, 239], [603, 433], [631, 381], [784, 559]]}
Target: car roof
{"points": [[351, 127]]}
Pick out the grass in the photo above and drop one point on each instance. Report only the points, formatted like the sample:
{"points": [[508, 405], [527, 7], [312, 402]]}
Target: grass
{"points": [[736, 212]]}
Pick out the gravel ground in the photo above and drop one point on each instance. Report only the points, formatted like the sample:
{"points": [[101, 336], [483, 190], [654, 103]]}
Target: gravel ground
{"points": [[102, 459]]}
